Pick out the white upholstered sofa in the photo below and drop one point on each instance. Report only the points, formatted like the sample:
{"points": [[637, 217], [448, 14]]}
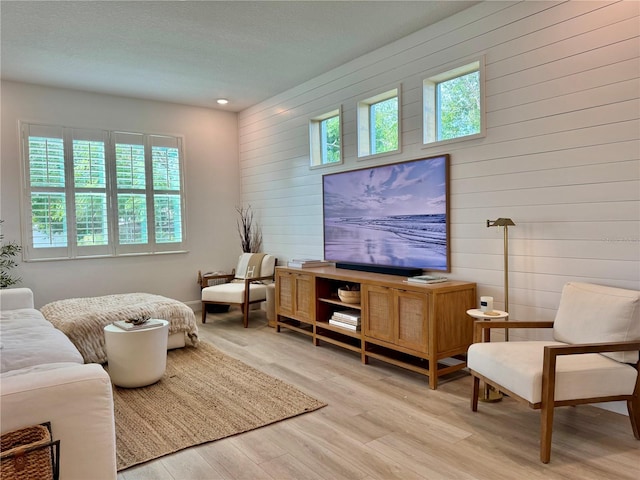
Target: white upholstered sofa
{"points": [[44, 379]]}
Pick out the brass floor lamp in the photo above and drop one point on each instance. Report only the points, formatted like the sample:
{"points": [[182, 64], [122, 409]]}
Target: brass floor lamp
{"points": [[506, 223]]}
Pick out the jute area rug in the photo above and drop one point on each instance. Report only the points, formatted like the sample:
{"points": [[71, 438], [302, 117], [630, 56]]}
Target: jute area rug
{"points": [[204, 395]]}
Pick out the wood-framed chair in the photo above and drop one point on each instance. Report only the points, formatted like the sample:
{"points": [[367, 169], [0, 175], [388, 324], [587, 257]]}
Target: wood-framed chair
{"points": [[594, 357], [247, 285]]}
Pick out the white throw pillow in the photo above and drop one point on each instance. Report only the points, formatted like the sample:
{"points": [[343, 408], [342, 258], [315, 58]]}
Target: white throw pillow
{"points": [[594, 313]]}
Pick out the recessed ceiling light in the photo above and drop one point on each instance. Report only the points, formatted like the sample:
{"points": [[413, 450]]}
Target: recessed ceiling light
{"points": [[222, 101]]}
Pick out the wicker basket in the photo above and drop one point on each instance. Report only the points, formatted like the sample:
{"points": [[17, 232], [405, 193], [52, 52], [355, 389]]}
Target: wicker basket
{"points": [[29, 454], [349, 296]]}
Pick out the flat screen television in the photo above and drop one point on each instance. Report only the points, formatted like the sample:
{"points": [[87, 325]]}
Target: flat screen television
{"points": [[394, 215]]}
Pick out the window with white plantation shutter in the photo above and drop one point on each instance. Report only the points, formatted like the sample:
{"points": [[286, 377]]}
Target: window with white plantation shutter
{"points": [[46, 178], [131, 188], [90, 201], [101, 193], [167, 186]]}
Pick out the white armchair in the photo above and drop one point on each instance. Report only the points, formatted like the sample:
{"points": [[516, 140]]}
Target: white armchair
{"points": [[248, 285], [593, 359]]}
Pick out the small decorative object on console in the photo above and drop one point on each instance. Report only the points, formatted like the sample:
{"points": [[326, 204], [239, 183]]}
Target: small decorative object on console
{"points": [[427, 279], [307, 263]]}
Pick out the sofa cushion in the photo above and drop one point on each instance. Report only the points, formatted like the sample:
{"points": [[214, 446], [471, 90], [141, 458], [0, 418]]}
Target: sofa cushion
{"points": [[45, 367], [594, 313], [28, 340], [234, 293], [18, 319]]}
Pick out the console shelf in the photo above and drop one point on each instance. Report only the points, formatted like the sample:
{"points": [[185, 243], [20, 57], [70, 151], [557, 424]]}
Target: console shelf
{"points": [[411, 326], [340, 330], [336, 301]]}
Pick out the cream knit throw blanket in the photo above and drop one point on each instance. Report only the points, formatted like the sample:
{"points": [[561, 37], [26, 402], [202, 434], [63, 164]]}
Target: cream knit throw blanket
{"points": [[83, 319]]}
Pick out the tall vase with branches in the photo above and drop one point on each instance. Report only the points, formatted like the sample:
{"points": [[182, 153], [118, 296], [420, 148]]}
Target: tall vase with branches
{"points": [[7, 262], [249, 230]]}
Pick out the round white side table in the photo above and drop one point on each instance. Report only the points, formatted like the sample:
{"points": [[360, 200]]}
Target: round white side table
{"points": [[489, 394], [136, 358]]}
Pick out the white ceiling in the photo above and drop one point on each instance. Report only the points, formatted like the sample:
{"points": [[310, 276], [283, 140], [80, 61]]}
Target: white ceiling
{"points": [[192, 52]]}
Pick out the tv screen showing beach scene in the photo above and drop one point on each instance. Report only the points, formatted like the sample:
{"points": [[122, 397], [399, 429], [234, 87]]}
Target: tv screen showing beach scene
{"points": [[389, 215]]}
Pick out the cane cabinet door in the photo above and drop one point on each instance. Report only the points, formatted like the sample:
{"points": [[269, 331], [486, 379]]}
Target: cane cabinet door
{"points": [[412, 330], [295, 295], [377, 304]]}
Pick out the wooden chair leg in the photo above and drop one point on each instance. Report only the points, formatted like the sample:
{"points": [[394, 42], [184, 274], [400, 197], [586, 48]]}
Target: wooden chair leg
{"points": [[548, 403], [633, 407], [246, 304], [204, 312], [546, 429], [475, 391]]}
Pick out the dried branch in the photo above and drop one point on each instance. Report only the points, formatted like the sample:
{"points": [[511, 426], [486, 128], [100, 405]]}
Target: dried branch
{"points": [[249, 230]]}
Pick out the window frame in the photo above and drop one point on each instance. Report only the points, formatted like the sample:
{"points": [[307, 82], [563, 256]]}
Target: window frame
{"points": [[430, 101], [316, 157], [113, 247], [364, 124]]}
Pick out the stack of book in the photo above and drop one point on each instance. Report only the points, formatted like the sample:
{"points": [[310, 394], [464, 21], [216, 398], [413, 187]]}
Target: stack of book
{"points": [[426, 279], [307, 263], [349, 319]]}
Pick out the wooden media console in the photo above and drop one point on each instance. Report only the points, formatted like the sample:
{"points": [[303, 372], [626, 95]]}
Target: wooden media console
{"points": [[413, 326]]}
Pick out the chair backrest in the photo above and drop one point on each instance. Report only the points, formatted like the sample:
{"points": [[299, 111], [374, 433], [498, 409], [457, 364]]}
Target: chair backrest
{"points": [[246, 263], [594, 313]]}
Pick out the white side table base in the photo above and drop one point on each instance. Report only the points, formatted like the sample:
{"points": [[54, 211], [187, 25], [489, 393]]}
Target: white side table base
{"points": [[136, 358]]}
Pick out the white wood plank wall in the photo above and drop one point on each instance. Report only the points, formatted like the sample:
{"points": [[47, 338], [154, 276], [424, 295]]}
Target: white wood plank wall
{"points": [[561, 156]]}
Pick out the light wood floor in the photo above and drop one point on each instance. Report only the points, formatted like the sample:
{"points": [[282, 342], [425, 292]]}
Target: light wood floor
{"points": [[383, 422]]}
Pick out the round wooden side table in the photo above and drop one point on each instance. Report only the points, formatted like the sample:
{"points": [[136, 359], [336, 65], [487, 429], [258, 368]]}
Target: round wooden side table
{"points": [[493, 315], [489, 394]]}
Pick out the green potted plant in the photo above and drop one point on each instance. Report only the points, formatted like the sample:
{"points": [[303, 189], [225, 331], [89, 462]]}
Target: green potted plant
{"points": [[7, 262]]}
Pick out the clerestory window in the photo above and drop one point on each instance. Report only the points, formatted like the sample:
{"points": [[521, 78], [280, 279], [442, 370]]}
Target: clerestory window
{"points": [[379, 124], [454, 104], [325, 139]]}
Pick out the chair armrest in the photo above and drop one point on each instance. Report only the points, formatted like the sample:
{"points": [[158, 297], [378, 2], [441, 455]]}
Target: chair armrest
{"points": [[258, 279], [579, 348], [203, 278], [480, 325], [551, 352]]}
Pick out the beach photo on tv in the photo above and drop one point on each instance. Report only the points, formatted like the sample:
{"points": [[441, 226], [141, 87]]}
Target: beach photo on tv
{"points": [[392, 215]]}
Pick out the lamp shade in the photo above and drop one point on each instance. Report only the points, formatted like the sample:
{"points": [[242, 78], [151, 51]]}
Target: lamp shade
{"points": [[500, 222]]}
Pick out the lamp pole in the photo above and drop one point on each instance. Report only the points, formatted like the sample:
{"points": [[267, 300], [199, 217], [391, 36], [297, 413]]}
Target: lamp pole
{"points": [[504, 222]]}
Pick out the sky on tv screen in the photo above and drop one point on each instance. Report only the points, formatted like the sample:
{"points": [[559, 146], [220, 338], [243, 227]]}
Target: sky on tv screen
{"points": [[388, 215]]}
